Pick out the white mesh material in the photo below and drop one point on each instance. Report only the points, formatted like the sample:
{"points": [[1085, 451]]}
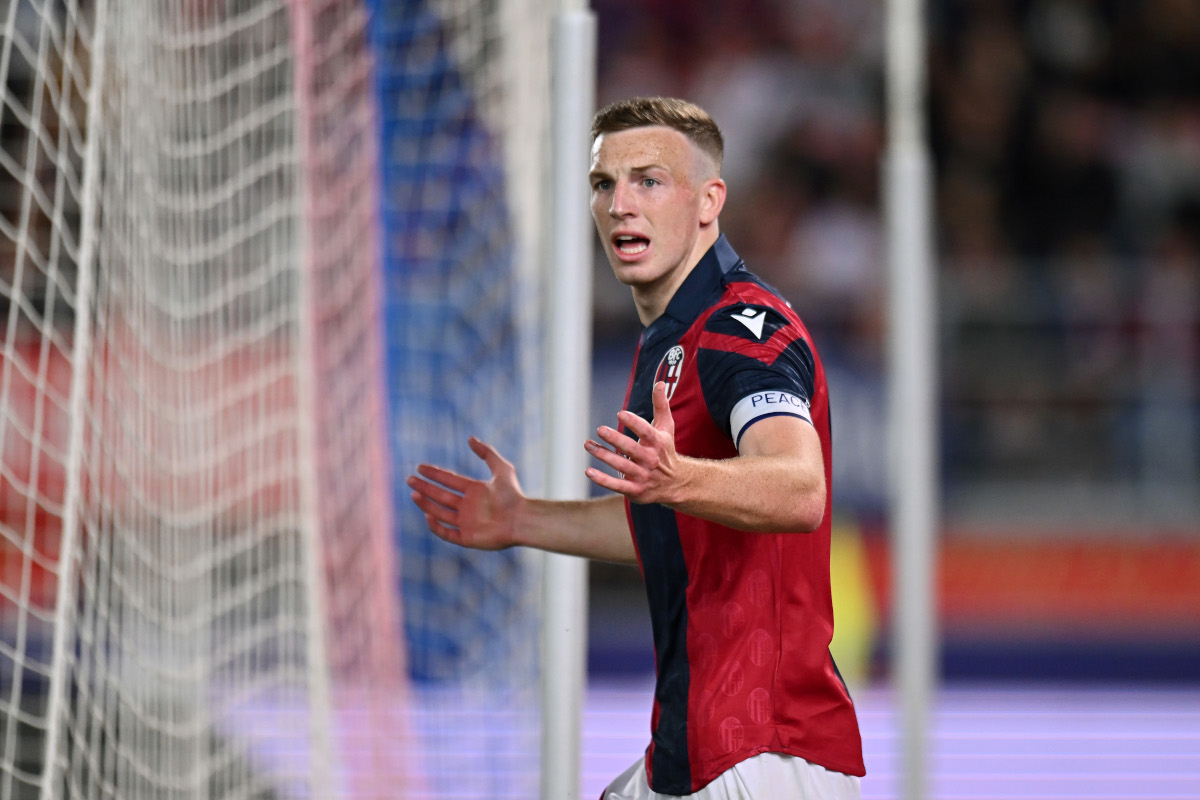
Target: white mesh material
{"points": [[196, 579], [464, 106]]}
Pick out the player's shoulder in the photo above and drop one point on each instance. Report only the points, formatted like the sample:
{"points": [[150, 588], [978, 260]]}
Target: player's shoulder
{"points": [[752, 310]]}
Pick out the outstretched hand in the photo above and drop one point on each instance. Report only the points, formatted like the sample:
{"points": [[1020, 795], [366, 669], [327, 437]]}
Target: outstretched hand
{"points": [[648, 468], [466, 511]]}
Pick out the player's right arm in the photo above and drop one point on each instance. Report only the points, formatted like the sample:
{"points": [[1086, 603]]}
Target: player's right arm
{"points": [[495, 514]]}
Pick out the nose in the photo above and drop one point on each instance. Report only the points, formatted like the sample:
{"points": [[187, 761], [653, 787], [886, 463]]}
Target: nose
{"points": [[622, 203]]}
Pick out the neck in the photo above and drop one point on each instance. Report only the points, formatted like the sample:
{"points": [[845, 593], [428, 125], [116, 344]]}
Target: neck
{"points": [[652, 300]]}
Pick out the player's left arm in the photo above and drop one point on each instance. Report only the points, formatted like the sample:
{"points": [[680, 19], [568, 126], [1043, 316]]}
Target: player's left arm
{"points": [[777, 482]]}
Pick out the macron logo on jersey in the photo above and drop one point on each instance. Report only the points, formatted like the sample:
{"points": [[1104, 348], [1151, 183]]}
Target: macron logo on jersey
{"points": [[760, 405], [752, 319]]}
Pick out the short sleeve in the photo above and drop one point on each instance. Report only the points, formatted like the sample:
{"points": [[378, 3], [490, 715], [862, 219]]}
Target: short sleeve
{"points": [[754, 362]]}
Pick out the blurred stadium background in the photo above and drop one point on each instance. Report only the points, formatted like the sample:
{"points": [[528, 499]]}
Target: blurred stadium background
{"points": [[1066, 141], [1066, 137]]}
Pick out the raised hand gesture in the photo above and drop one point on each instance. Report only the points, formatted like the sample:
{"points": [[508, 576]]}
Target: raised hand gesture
{"points": [[466, 511], [648, 468]]}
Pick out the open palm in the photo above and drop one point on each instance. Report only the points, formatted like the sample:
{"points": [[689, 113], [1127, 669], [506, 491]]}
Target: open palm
{"points": [[474, 513]]}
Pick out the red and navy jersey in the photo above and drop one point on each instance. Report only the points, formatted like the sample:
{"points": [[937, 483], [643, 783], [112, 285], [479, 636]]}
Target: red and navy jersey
{"points": [[741, 621]]}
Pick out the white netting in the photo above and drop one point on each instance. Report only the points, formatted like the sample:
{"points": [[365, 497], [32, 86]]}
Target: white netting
{"points": [[464, 104], [195, 571]]}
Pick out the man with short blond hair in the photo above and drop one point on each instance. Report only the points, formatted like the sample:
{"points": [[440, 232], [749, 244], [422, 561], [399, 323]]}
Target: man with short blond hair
{"points": [[719, 469]]}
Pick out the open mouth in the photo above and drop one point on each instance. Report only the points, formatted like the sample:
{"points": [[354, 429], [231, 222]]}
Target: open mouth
{"points": [[631, 245]]}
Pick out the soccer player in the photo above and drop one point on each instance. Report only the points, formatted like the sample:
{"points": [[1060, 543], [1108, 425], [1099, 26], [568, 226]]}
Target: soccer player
{"points": [[719, 467]]}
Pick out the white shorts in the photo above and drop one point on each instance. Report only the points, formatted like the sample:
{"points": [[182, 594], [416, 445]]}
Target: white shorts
{"points": [[766, 776]]}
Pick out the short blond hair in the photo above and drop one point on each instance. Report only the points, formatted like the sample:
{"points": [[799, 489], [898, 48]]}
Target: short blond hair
{"points": [[640, 112]]}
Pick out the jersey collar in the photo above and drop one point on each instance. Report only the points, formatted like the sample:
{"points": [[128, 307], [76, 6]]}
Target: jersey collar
{"points": [[703, 284]]}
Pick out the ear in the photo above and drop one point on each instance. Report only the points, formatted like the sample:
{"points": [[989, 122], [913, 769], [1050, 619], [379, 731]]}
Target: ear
{"points": [[712, 200]]}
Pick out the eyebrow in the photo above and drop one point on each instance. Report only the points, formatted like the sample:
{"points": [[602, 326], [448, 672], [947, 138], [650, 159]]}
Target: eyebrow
{"points": [[598, 173]]}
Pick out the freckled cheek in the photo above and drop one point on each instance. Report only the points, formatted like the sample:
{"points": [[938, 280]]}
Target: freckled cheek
{"points": [[599, 210]]}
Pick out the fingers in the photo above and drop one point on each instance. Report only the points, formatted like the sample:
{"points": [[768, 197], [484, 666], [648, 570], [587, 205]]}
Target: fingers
{"points": [[447, 532], [445, 477], [464, 510], [643, 451], [662, 408], [437, 516], [618, 462], [644, 458], [610, 482], [454, 480], [630, 475], [424, 489], [644, 429], [630, 479], [438, 493], [490, 455]]}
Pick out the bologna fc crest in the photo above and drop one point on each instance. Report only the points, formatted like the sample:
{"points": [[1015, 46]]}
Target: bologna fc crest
{"points": [[669, 369]]}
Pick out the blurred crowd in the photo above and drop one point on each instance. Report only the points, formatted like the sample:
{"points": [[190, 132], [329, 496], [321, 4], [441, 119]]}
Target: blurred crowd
{"points": [[1066, 140]]}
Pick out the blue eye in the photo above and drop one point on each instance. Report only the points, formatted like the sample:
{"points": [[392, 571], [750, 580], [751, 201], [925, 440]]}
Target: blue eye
{"points": [[648, 182]]}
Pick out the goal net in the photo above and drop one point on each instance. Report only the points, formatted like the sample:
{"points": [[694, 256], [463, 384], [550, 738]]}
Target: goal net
{"points": [[197, 591], [464, 99]]}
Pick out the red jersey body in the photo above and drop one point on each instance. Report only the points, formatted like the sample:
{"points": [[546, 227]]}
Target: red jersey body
{"points": [[741, 621]]}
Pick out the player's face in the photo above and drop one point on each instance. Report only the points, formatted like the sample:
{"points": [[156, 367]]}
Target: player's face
{"points": [[652, 204]]}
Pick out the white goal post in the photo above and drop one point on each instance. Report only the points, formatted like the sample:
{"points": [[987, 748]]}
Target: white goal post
{"points": [[913, 389], [569, 341]]}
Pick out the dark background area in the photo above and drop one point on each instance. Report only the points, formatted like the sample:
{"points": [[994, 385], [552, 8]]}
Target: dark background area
{"points": [[1066, 142]]}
